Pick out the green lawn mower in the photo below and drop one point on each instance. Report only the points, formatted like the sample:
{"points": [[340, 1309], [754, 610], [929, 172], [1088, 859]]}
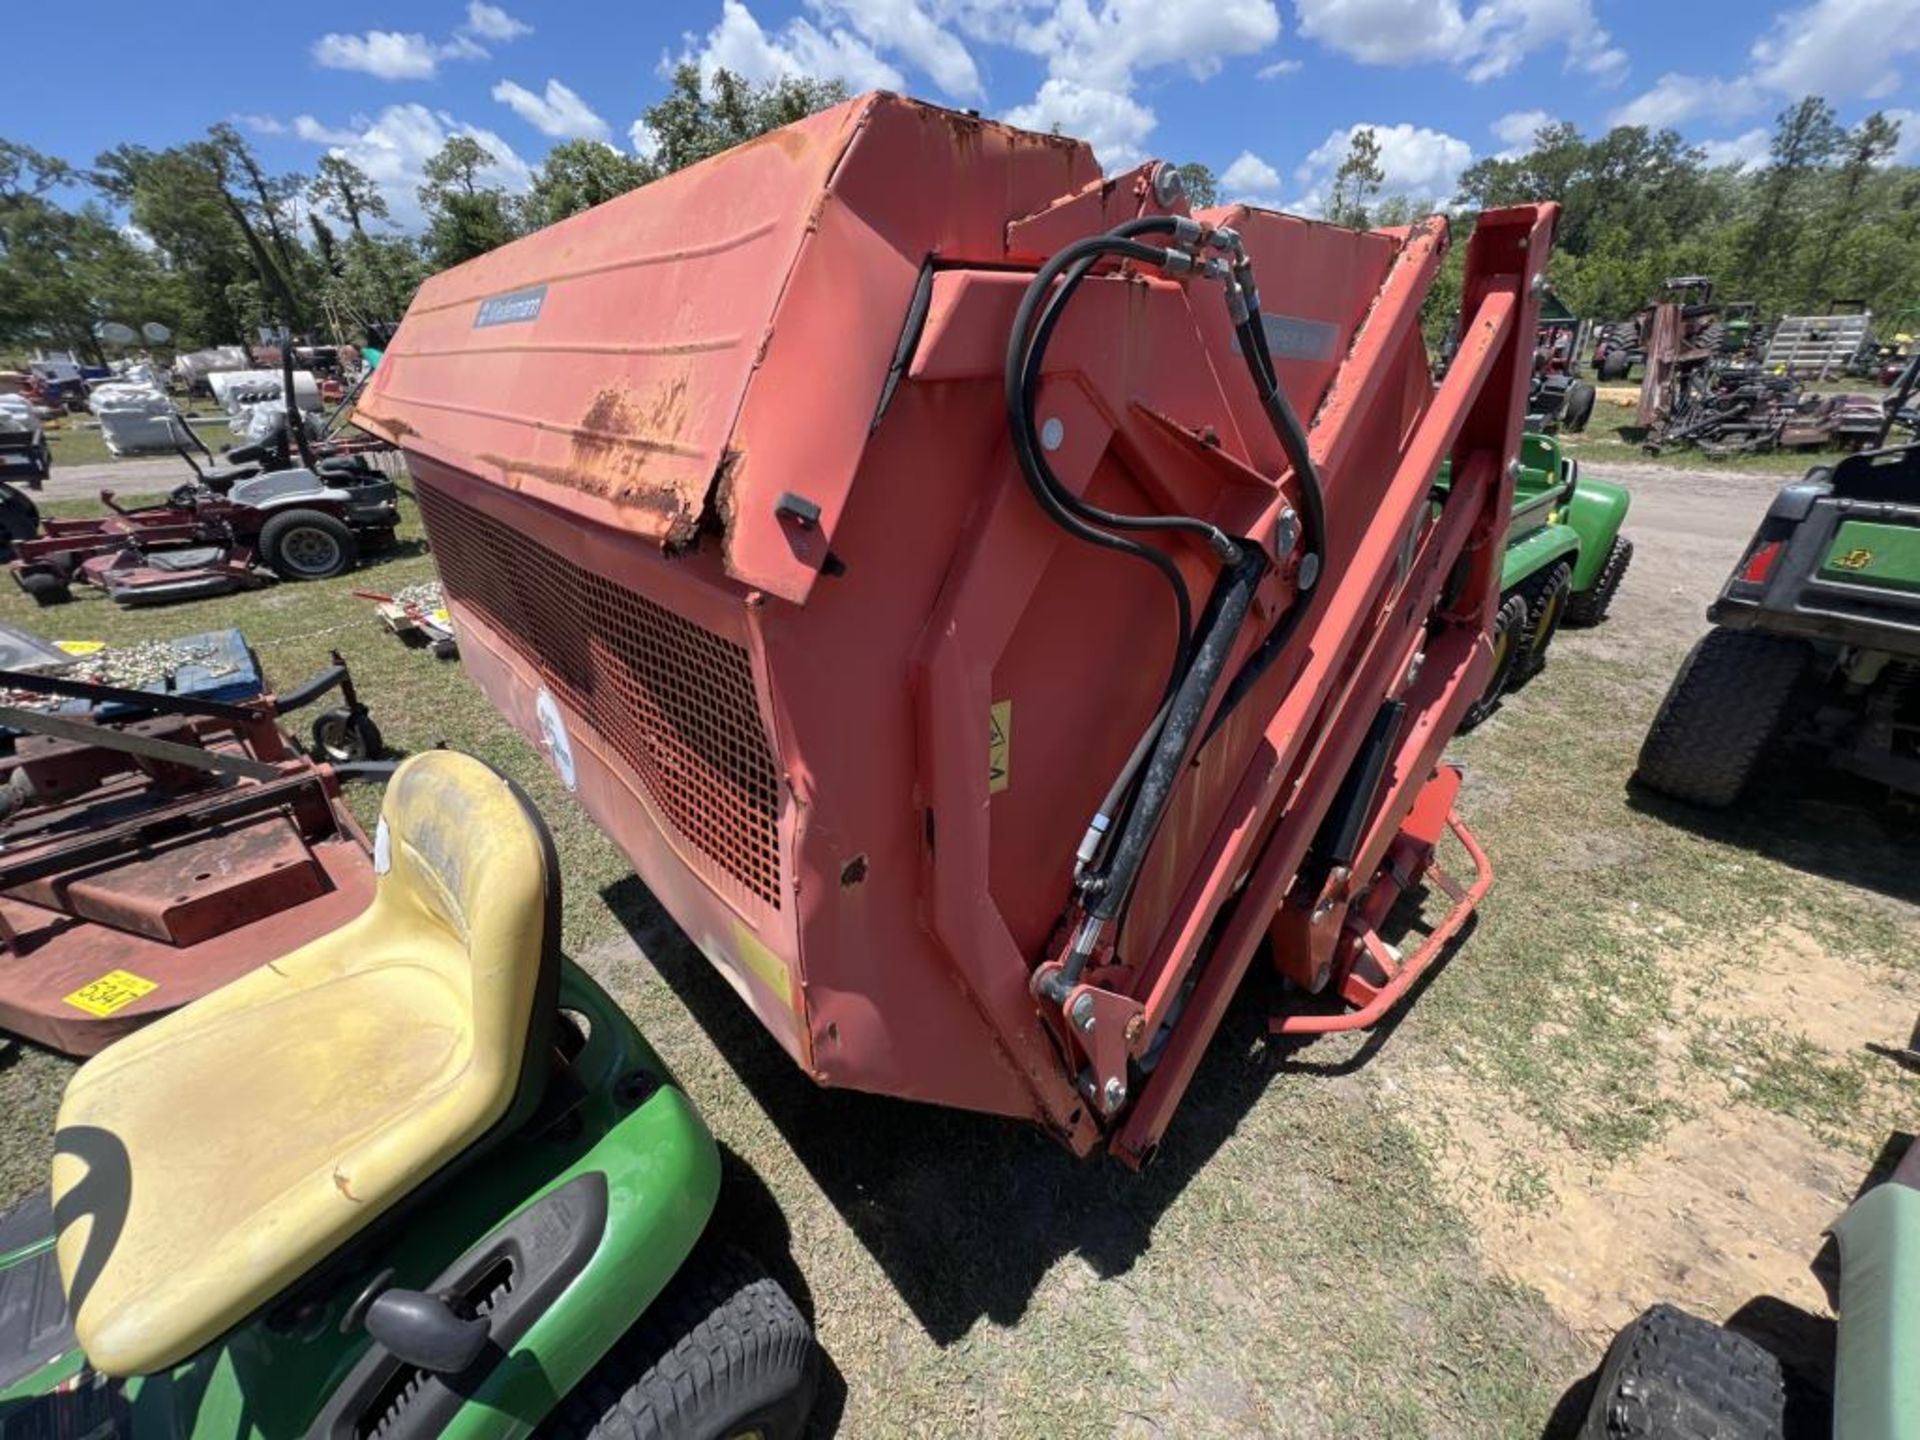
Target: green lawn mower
{"points": [[1816, 641], [419, 1177], [1565, 559]]}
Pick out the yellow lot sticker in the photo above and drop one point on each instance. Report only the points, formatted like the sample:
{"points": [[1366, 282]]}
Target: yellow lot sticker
{"points": [[112, 991]]}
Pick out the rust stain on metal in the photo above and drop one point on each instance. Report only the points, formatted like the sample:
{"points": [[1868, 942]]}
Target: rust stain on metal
{"points": [[612, 446], [340, 1184]]}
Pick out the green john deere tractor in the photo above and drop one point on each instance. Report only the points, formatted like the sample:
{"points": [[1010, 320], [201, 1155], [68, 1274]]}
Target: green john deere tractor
{"points": [[1564, 562], [1816, 641], [419, 1177]]}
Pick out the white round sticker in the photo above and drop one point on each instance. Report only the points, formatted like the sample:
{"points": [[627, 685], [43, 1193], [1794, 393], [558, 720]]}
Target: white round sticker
{"points": [[553, 736]]}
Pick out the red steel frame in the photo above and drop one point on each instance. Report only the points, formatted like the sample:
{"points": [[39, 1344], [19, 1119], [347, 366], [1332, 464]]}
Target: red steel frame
{"points": [[760, 399]]}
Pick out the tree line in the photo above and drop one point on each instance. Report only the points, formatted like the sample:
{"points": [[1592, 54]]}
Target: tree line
{"points": [[192, 235], [205, 239]]}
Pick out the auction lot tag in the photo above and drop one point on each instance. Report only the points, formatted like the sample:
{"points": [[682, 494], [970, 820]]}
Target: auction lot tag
{"points": [[112, 991]]}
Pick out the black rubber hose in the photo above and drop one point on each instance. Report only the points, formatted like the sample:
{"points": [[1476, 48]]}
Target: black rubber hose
{"points": [[1026, 350], [1227, 610]]}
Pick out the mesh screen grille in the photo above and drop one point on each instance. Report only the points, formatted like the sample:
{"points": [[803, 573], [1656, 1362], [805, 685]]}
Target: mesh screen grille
{"points": [[673, 700]]}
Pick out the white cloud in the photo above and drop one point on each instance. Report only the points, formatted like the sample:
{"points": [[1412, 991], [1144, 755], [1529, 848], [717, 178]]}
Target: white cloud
{"points": [[395, 148], [1277, 69], [263, 124], [645, 142], [490, 22], [1675, 98], [1517, 129], [1095, 49], [906, 28], [559, 113], [798, 51], [1111, 121], [1745, 151], [1486, 42], [1251, 180], [314, 133], [1842, 49], [387, 54], [1415, 161], [1907, 152]]}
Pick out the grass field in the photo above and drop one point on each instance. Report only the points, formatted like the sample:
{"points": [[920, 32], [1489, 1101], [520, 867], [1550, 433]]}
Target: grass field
{"points": [[1640, 1077]]}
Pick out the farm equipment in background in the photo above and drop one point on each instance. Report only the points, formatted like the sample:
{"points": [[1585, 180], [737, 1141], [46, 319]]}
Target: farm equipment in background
{"points": [[1820, 347], [300, 524], [156, 843], [23, 443], [413, 1174], [1816, 641], [1557, 398], [825, 570], [1565, 558]]}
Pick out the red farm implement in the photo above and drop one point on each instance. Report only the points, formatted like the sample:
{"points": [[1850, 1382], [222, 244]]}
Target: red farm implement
{"points": [[154, 846], [987, 620]]}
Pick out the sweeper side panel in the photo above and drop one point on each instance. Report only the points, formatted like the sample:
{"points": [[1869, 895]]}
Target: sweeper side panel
{"points": [[852, 712]]}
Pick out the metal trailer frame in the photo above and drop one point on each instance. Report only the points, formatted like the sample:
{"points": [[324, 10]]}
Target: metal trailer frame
{"points": [[719, 481], [1817, 346]]}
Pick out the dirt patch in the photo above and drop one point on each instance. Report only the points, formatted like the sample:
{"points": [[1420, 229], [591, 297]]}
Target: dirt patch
{"points": [[1731, 1201]]}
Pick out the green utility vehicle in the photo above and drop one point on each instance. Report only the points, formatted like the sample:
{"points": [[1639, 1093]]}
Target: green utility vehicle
{"points": [[1673, 1376], [420, 1177], [1816, 641], [1564, 562]]}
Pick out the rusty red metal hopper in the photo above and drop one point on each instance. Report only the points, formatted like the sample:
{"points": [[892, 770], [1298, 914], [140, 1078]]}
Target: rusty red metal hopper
{"points": [[759, 498]]}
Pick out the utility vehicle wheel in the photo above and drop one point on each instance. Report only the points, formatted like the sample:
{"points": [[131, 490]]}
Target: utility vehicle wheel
{"points": [[343, 736], [1721, 711], [1672, 1376], [722, 1353], [1547, 600], [1614, 365], [1589, 607], [308, 545], [19, 519], [1507, 625], [46, 589], [1578, 408]]}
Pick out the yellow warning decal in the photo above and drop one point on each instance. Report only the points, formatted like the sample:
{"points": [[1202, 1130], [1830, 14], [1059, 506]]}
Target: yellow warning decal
{"points": [[112, 991], [1855, 559], [999, 745], [771, 969]]}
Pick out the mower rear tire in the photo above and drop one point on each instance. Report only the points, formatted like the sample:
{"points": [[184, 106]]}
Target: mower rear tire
{"points": [[1507, 626], [722, 1352], [1547, 600], [46, 589], [1719, 715], [1577, 410], [308, 545], [1673, 1376], [343, 737], [1590, 606]]}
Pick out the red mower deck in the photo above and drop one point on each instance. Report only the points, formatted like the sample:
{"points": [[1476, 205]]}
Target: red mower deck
{"points": [[720, 483], [150, 860]]}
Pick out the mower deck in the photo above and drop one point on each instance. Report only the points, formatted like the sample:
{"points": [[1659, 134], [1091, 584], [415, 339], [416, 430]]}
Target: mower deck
{"points": [[146, 863]]}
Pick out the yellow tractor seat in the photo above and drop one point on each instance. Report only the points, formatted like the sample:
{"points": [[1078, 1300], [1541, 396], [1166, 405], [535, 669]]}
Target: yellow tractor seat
{"points": [[205, 1163]]}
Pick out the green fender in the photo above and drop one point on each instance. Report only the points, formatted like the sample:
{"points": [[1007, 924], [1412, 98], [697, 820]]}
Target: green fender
{"points": [[662, 1172], [1877, 1385], [1597, 511], [1535, 551]]}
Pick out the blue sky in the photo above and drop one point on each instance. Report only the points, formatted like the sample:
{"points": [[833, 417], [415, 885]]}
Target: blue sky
{"points": [[1264, 91]]}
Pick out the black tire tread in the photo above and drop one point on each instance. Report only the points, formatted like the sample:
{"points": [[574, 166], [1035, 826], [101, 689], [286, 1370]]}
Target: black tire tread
{"points": [[1589, 607], [1673, 1376], [1533, 645], [722, 1345], [1512, 614], [1719, 715], [1578, 409]]}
